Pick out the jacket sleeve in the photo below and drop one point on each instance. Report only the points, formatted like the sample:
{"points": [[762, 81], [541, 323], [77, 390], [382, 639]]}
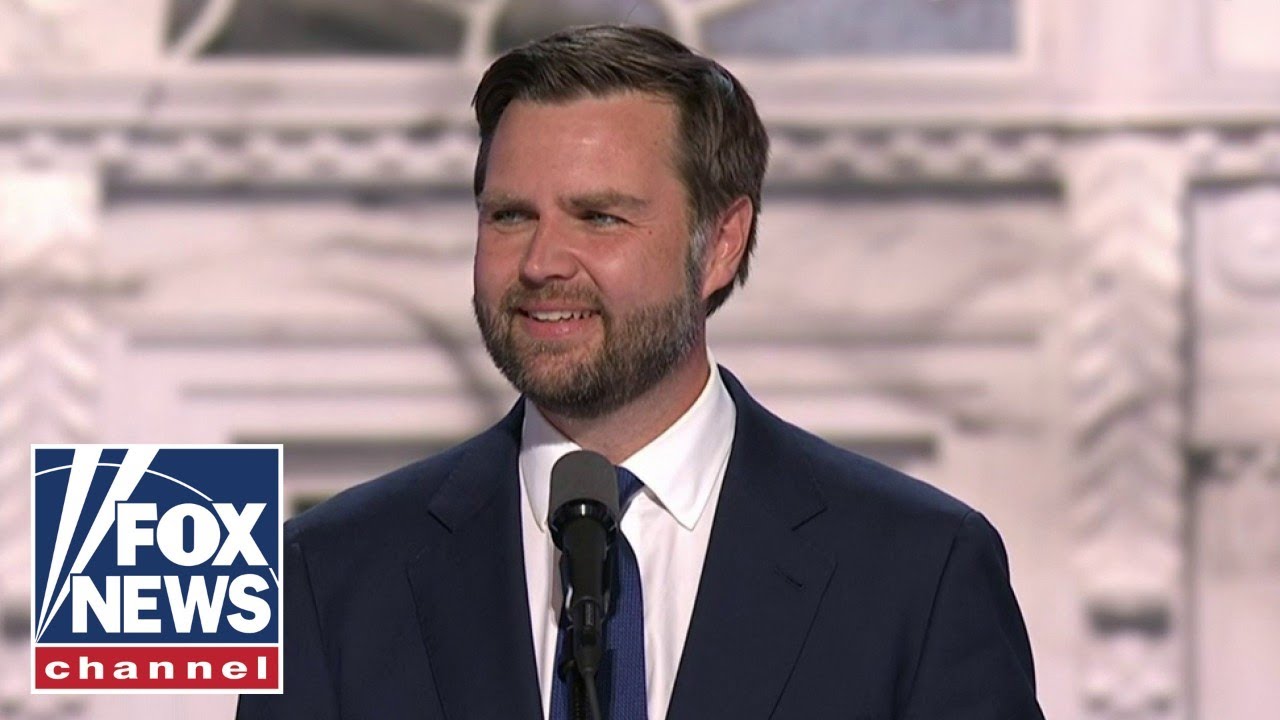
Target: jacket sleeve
{"points": [[308, 688], [975, 662]]}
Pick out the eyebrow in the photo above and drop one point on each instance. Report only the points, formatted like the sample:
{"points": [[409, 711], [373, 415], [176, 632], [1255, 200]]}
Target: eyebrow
{"points": [[490, 201], [606, 199]]}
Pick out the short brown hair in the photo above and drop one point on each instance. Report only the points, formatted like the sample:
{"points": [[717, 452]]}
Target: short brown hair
{"points": [[722, 149]]}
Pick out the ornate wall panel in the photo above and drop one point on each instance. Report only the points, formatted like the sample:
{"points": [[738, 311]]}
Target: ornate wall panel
{"points": [[50, 282], [1236, 536], [1127, 380], [1237, 303]]}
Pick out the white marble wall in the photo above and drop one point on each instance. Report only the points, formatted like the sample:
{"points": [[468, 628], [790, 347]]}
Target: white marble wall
{"points": [[1046, 279]]}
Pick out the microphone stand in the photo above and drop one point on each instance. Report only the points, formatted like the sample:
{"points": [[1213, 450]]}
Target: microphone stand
{"points": [[584, 700], [586, 639]]}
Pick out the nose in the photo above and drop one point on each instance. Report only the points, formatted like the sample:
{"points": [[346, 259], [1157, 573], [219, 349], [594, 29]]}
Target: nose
{"points": [[548, 257]]}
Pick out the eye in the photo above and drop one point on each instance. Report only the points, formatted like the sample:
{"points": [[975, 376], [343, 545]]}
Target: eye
{"points": [[600, 219], [508, 216]]}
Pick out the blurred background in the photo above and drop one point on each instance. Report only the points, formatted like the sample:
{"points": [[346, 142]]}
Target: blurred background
{"points": [[1028, 250]]}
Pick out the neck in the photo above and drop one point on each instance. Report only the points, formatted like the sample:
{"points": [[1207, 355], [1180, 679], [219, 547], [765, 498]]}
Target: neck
{"points": [[619, 434]]}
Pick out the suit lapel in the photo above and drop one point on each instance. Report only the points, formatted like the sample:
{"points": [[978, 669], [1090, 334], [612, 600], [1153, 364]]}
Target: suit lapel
{"points": [[761, 583], [469, 585]]}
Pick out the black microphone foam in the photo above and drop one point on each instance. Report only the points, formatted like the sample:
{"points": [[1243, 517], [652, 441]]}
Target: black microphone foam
{"points": [[583, 475]]}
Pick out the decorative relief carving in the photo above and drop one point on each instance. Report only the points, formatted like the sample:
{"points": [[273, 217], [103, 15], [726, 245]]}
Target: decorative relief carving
{"points": [[1125, 289], [908, 154], [445, 154], [1247, 246], [48, 371], [441, 150]]}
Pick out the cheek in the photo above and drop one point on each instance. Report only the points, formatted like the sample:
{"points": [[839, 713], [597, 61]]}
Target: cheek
{"points": [[650, 271], [486, 284], [491, 273]]}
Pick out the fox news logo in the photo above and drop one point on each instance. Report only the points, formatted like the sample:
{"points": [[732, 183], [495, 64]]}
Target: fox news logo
{"points": [[156, 568]]}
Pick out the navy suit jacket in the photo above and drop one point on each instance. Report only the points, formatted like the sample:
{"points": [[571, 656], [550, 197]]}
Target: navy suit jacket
{"points": [[834, 587]]}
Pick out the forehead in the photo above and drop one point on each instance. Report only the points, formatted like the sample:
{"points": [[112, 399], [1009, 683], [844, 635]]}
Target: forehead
{"points": [[622, 133]]}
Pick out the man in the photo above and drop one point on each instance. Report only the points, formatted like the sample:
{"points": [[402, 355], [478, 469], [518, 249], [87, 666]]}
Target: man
{"points": [[618, 184]]}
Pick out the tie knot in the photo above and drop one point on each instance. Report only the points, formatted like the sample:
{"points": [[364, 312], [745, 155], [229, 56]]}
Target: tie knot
{"points": [[628, 486]]}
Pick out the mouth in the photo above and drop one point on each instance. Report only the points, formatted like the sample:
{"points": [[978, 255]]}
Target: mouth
{"points": [[557, 324], [557, 316]]}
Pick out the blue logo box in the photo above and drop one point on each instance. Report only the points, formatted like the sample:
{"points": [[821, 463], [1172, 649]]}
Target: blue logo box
{"points": [[156, 568]]}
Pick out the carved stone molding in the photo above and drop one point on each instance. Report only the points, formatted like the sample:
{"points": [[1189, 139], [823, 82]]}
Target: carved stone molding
{"points": [[978, 154], [440, 148], [1125, 287], [443, 153]]}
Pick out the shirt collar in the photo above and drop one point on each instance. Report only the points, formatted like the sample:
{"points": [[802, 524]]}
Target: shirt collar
{"points": [[679, 468]]}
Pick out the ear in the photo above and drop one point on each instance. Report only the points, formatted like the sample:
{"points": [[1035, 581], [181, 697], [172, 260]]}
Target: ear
{"points": [[727, 245]]}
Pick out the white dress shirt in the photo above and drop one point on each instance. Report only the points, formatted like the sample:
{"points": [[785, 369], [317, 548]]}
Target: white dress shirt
{"points": [[668, 524]]}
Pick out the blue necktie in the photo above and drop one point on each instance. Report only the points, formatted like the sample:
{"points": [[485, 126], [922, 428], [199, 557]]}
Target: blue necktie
{"points": [[621, 681]]}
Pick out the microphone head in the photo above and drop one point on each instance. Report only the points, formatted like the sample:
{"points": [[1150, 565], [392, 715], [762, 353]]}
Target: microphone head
{"points": [[583, 477]]}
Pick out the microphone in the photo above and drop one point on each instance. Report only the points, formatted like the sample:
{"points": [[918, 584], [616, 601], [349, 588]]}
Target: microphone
{"points": [[583, 522]]}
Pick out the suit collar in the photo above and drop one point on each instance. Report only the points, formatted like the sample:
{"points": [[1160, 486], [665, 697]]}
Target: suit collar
{"points": [[769, 462], [469, 585], [479, 475], [762, 582]]}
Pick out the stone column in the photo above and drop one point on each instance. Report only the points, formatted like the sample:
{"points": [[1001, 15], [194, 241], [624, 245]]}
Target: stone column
{"points": [[49, 347], [1126, 384]]}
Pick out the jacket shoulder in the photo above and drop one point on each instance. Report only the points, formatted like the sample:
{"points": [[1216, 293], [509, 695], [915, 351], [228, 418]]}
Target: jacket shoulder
{"points": [[376, 510], [849, 483], [854, 483]]}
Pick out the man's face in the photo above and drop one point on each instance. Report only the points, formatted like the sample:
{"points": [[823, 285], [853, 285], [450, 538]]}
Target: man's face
{"points": [[586, 291]]}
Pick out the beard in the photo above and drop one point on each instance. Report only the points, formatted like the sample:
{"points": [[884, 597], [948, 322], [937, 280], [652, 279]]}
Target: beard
{"points": [[637, 351]]}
